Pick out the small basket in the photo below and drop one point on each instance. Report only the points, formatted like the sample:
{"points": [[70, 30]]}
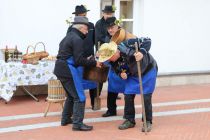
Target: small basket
{"points": [[41, 54], [32, 58]]}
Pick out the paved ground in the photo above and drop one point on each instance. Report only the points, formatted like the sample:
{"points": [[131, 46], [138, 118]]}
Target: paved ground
{"points": [[180, 113]]}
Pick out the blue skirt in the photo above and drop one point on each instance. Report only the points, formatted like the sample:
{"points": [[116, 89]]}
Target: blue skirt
{"points": [[148, 81], [79, 83], [115, 83]]}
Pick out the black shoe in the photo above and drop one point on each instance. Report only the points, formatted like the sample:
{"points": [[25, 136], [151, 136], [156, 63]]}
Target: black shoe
{"points": [[66, 122], [82, 127], [108, 114]]}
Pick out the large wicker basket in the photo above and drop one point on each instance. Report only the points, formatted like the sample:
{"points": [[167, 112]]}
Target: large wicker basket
{"points": [[31, 58], [41, 54]]}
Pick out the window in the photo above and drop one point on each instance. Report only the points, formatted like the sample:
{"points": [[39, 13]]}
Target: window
{"points": [[126, 14]]}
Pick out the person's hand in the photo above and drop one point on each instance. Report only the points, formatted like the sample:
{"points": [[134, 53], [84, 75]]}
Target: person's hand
{"points": [[99, 64], [97, 54], [123, 75], [138, 56], [90, 57]]}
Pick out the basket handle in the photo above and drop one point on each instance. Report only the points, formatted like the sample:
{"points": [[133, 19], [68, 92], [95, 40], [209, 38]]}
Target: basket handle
{"points": [[38, 44], [30, 46]]}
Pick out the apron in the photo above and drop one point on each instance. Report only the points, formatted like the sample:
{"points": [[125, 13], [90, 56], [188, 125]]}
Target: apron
{"points": [[79, 83], [148, 82], [115, 83]]}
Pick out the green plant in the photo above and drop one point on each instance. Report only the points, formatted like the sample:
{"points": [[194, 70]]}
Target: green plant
{"points": [[69, 21]]}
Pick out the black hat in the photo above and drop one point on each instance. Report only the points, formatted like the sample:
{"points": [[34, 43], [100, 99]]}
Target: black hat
{"points": [[79, 9], [109, 9], [111, 21], [80, 20]]}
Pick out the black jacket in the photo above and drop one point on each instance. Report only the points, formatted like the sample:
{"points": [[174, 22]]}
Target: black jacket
{"points": [[101, 34], [71, 46], [89, 41]]}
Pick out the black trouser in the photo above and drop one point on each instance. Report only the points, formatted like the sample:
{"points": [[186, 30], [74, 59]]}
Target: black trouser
{"points": [[129, 110], [72, 104], [111, 102], [93, 93]]}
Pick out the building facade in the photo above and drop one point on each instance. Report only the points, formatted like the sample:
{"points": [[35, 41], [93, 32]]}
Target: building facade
{"points": [[179, 29]]}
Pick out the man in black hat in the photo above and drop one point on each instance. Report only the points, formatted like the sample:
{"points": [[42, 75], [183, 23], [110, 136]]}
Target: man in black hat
{"points": [[101, 25], [101, 34], [115, 83], [80, 9], [89, 41], [70, 60]]}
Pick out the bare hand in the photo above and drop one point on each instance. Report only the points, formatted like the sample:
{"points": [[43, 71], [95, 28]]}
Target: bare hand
{"points": [[90, 57], [123, 75], [138, 56], [97, 54], [99, 64]]}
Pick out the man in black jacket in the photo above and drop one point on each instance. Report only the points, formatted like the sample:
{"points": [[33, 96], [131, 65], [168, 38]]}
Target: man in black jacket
{"points": [[89, 41], [101, 34], [68, 69], [113, 88]]}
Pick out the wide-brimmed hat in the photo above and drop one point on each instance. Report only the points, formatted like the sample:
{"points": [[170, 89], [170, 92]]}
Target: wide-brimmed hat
{"points": [[106, 51], [79, 9], [109, 9], [81, 20]]}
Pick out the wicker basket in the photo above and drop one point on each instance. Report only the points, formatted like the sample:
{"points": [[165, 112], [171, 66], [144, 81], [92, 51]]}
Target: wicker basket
{"points": [[31, 58], [41, 54]]}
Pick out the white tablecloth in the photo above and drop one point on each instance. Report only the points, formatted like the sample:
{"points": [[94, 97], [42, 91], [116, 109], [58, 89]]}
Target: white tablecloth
{"points": [[14, 74]]}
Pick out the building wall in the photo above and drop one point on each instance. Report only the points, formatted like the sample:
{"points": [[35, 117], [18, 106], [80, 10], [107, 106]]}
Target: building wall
{"points": [[179, 28], [25, 22]]}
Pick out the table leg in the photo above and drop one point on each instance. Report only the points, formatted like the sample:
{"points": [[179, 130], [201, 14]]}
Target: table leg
{"points": [[24, 88]]}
